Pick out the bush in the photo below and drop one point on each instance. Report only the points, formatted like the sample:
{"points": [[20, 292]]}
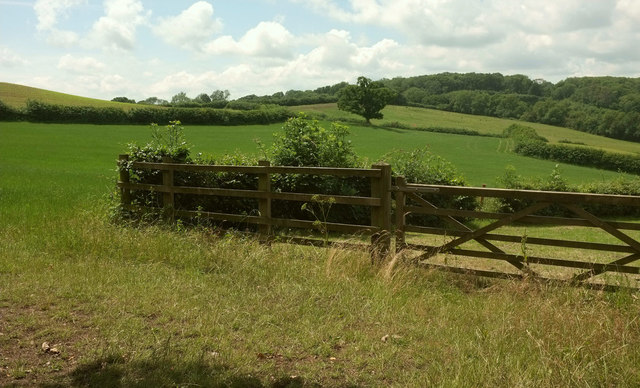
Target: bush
{"points": [[422, 166], [8, 113], [305, 143], [555, 182]]}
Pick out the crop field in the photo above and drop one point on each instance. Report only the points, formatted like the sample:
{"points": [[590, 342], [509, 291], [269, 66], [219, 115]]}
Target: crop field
{"points": [[17, 96], [88, 302]]}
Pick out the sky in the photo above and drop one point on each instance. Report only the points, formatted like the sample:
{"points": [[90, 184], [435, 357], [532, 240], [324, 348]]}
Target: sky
{"points": [[144, 48]]}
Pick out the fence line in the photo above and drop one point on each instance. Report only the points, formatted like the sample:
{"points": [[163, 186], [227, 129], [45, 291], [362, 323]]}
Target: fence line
{"points": [[417, 199], [379, 201]]}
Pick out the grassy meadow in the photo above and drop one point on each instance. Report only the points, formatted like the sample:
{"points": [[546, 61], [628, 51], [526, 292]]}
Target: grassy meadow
{"points": [[120, 305]]}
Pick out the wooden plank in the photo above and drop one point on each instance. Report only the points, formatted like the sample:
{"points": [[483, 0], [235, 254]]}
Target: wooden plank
{"points": [[604, 226], [495, 225], [381, 216], [400, 213], [264, 204], [282, 222], [530, 240], [339, 199], [335, 171], [593, 272], [543, 260], [199, 167], [544, 220], [471, 271], [321, 243], [238, 218], [536, 195]]}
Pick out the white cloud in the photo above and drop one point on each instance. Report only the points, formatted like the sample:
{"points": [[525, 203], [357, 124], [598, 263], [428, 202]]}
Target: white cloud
{"points": [[267, 39], [117, 28], [9, 58], [86, 65], [48, 11], [192, 28]]}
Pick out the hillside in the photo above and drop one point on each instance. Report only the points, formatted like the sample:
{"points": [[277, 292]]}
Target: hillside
{"points": [[17, 96], [424, 117]]}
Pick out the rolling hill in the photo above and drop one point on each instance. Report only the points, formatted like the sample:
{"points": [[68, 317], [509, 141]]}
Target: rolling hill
{"points": [[17, 96]]}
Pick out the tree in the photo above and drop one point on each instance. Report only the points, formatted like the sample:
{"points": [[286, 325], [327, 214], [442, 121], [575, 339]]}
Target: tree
{"points": [[180, 98], [366, 99], [124, 99], [203, 98], [220, 95]]}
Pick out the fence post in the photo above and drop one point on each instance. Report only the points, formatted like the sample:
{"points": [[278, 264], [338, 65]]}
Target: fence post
{"points": [[264, 204], [400, 213], [381, 216], [168, 196], [125, 194]]}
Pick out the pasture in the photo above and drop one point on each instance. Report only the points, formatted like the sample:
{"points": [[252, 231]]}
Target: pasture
{"points": [[163, 306]]}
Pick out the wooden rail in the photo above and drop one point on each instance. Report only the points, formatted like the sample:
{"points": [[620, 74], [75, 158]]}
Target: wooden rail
{"points": [[459, 233], [380, 200]]}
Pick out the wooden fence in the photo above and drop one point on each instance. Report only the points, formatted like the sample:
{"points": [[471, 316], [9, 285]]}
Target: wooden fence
{"points": [[458, 227], [379, 201], [463, 234]]}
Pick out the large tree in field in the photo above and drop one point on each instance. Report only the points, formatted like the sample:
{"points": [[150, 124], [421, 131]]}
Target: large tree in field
{"points": [[367, 98]]}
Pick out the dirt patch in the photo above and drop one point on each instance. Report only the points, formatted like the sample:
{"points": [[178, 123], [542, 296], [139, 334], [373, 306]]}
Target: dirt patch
{"points": [[41, 346]]}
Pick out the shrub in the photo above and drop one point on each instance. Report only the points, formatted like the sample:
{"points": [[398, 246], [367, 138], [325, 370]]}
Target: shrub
{"points": [[305, 143], [555, 182], [8, 113], [422, 166]]}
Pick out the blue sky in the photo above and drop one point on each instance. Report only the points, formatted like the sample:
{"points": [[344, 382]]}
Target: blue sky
{"points": [[142, 48]]}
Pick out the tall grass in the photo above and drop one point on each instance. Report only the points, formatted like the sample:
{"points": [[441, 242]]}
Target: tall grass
{"points": [[158, 306]]}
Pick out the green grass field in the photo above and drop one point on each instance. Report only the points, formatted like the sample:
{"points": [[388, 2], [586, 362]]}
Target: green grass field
{"points": [[160, 306], [480, 159]]}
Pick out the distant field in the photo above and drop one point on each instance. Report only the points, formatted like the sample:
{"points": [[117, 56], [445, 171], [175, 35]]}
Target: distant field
{"points": [[421, 117], [17, 96]]}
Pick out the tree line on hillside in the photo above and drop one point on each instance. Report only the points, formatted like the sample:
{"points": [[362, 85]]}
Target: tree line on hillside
{"points": [[606, 106]]}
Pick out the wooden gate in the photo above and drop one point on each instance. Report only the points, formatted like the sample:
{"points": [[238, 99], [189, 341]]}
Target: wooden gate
{"points": [[468, 240]]}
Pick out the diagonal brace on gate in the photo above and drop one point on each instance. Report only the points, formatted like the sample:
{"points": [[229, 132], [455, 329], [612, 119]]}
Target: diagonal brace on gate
{"points": [[478, 233], [462, 227], [630, 241]]}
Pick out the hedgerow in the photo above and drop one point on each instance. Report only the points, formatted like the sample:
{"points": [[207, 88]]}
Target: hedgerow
{"points": [[528, 143], [37, 111]]}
